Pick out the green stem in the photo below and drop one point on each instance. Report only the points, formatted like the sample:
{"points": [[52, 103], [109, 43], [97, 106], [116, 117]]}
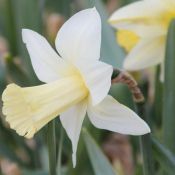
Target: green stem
{"points": [[145, 145], [60, 150], [169, 91], [146, 152], [157, 105], [51, 141]]}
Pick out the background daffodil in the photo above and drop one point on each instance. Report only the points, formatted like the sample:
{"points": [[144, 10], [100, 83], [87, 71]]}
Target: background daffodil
{"points": [[76, 83], [142, 30]]}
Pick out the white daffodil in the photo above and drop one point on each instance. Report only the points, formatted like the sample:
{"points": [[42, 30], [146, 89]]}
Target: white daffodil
{"points": [[77, 82], [143, 27]]}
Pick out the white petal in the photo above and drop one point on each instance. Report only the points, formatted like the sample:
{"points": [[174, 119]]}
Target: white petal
{"points": [[97, 77], [137, 11], [113, 116], [80, 36], [72, 121], [142, 30], [148, 52], [47, 65], [142, 17]]}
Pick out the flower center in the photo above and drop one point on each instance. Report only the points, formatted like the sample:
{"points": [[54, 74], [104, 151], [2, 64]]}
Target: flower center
{"points": [[127, 39]]}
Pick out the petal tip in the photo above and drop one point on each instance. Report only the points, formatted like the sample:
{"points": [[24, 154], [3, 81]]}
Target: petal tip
{"points": [[145, 129], [73, 161], [95, 11], [25, 32], [94, 8]]}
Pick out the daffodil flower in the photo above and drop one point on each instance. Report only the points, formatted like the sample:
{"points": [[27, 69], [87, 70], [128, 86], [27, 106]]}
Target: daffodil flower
{"points": [[76, 83], [142, 30]]}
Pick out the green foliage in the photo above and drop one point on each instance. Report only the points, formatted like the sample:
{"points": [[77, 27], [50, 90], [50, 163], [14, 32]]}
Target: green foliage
{"points": [[169, 91], [61, 6], [164, 156], [100, 164], [27, 172]]}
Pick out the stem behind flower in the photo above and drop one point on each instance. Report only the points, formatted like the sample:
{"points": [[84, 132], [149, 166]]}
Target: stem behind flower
{"points": [[51, 141]]}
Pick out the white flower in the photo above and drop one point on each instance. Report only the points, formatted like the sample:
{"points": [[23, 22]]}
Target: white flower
{"points": [[143, 27], [77, 82]]}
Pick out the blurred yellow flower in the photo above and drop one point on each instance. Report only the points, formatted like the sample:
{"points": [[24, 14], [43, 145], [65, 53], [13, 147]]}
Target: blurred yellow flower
{"points": [[127, 39], [76, 83], [147, 22]]}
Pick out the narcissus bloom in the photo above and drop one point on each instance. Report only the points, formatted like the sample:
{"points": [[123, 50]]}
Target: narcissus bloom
{"points": [[76, 83], [143, 27]]}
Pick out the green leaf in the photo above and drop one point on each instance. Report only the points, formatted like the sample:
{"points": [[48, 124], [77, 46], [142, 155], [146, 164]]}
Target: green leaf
{"points": [[111, 53], [169, 91], [15, 71], [62, 6], [158, 99], [145, 142], [100, 163], [28, 14], [10, 26], [16, 15], [164, 156], [29, 172], [2, 76]]}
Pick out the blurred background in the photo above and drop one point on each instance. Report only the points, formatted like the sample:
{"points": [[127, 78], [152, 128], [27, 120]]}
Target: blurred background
{"points": [[19, 156]]}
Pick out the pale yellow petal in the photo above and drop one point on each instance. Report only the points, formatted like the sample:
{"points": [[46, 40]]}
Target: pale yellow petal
{"points": [[127, 39], [28, 109], [145, 12], [148, 52], [147, 18]]}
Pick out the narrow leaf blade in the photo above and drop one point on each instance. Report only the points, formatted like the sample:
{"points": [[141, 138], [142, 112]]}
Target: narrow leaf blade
{"points": [[169, 91], [164, 156], [100, 164]]}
